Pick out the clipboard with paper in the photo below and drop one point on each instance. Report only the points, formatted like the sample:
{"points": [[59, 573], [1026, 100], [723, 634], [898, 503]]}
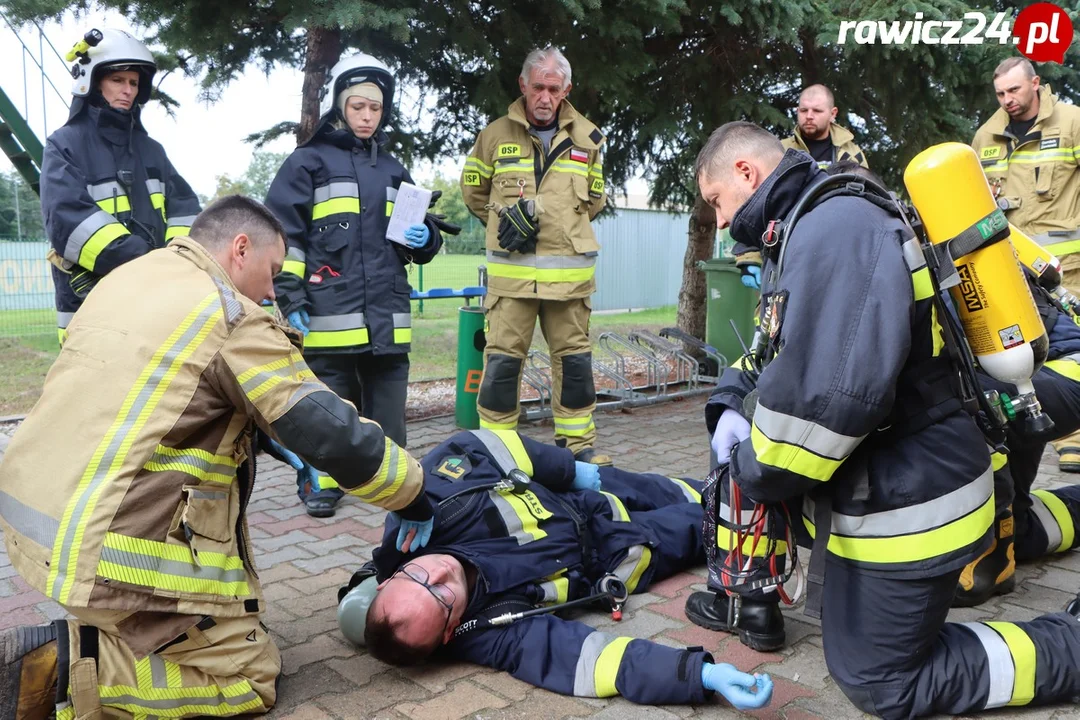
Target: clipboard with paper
{"points": [[410, 208]]}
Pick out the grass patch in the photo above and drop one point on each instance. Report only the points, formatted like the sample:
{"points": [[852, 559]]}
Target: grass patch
{"points": [[23, 365]]}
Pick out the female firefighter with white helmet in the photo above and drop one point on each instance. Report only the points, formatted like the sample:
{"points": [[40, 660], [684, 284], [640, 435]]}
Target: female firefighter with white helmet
{"points": [[108, 192], [344, 284]]}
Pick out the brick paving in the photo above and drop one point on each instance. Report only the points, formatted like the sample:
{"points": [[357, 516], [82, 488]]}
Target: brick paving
{"points": [[303, 560]]}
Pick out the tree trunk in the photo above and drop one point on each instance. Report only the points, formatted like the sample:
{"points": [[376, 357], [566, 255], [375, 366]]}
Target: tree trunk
{"points": [[702, 238], [323, 50]]}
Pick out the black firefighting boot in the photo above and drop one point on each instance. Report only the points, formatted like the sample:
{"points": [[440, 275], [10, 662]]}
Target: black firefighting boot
{"points": [[759, 625], [993, 572], [28, 680]]}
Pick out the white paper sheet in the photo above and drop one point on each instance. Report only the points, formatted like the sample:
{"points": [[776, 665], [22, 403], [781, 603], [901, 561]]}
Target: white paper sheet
{"points": [[410, 207]]}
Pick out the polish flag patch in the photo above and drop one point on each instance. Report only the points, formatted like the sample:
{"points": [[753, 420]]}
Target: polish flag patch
{"points": [[579, 156]]}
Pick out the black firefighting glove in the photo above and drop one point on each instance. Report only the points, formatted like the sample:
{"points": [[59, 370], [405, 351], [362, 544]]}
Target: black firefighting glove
{"points": [[518, 227], [82, 281], [439, 221]]}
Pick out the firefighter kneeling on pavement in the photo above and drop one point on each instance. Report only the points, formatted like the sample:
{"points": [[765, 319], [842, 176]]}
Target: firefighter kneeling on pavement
{"points": [[137, 525], [534, 178]]}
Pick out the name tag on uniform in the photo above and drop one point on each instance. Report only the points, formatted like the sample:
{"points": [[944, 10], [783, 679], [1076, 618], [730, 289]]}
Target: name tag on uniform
{"points": [[989, 153], [579, 156], [1050, 144], [509, 150]]}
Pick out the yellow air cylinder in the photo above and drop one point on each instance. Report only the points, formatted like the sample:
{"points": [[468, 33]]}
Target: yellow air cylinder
{"points": [[1000, 320], [1044, 266]]}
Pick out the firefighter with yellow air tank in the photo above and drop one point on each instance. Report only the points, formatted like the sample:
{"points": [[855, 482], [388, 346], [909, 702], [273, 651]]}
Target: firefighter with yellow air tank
{"points": [[534, 177], [1030, 152]]}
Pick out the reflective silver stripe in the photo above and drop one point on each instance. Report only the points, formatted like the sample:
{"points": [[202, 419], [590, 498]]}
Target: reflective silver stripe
{"points": [[181, 221], [574, 423], [626, 567], [209, 494], [497, 449], [1057, 237], [1048, 522], [336, 190], [84, 231], [544, 262], [402, 320], [391, 194], [63, 319], [157, 671], [32, 523], [510, 518], [914, 518], [369, 490], [551, 593], [686, 489], [351, 321], [211, 703], [291, 370], [913, 255], [153, 185], [618, 511], [233, 308], [999, 664], [791, 430], [177, 461], [585, 672], [155, 385], [296, 253], [106, 191], [137, 561]]}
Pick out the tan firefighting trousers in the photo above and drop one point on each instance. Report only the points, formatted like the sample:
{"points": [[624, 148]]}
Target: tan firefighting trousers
{"points": [[220, 667], [565, 325], [1068, 448]]}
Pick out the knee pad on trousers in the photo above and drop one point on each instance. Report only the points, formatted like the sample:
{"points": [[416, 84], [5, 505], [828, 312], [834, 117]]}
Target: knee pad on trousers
{"points": [[499, 389], [578, 390]]}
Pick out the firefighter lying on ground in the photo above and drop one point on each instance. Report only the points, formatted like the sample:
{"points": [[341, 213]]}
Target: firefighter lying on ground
{"points": [[565, 531]]}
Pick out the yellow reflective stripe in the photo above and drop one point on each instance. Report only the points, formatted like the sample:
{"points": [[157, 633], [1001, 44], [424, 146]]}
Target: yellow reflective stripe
{"points": [[391, 476], [633, 566], [67, 713], [479, 165], [937, 333], [518, 166], [334, 206], [336, 338], [998, 460], [144, 560], [791, 457], [111, 452], [212, 700], [175, 553], [528, 272], [924, 287], [914, 547], [486, 425], [1061, 517], [184, 460], [1065, 368], [296, 267], [556, 587], [513, 443], [389, 208], [569, 166], [157, 200], [723, 541], [61, 335], [173, 678], [528, 510], [98, 242], [1067, 247], [607, 667], [1023, 654], [402, 335], [618, 510], [175, 231], [119, 204], [574, 427], [691, 494]]}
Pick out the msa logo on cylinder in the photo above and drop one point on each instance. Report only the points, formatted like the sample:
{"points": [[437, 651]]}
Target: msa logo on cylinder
{"points": [[968, 290]]}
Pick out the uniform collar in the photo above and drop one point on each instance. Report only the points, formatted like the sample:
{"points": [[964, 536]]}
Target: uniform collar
{"points": [[567, 117], [838, 134], [774, 198], [202, 259]]}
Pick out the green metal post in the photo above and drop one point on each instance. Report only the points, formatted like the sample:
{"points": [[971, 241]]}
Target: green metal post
{"points": [[470, 366], [420, 279]]}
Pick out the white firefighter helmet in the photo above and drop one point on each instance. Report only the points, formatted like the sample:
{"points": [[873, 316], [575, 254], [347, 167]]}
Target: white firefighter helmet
{"points": [[353, 608], [101, 50], [356, 69]]}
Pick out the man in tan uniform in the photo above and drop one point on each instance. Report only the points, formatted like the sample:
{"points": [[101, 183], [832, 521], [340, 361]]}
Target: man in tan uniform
{"points": [[123, 494], [818, 135], [535, 178], [1030, 152]]}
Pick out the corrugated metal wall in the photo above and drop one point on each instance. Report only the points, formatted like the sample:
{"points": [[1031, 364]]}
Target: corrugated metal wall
{"points": [[641, 259]]}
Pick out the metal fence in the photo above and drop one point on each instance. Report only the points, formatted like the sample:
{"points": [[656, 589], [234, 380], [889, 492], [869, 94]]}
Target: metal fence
{"points": [[640, 266]]}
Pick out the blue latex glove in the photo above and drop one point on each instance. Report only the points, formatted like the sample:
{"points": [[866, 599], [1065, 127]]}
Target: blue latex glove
{"points": [[586, 476], [736, 686], [299, 319], [731, 429], [412, 534], [290, 457], [417, 236], [751, 276]]}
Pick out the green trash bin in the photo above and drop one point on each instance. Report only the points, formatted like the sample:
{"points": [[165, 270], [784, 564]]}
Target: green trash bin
{"points": [[728, 299], [470, 366]]}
